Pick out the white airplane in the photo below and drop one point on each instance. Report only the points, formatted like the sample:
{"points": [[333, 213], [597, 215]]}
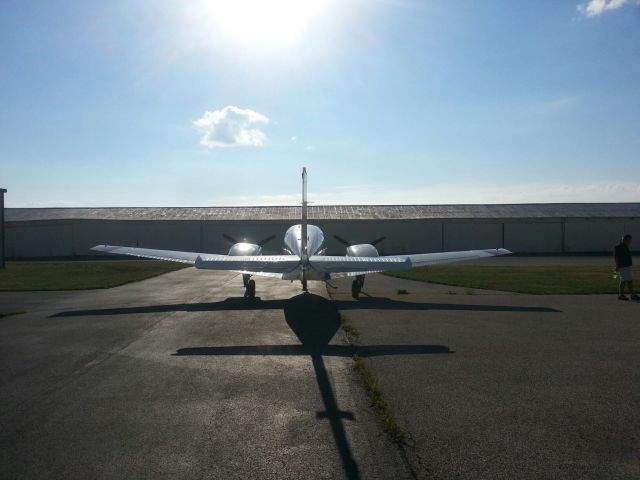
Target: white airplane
{"points": [[304, 259]]}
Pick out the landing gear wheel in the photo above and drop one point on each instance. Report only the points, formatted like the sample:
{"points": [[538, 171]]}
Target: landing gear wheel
{"points": [[250, 292], [355, 288], [304, 285]]}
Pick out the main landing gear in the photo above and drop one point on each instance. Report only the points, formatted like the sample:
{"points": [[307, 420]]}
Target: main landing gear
{"points": [[356, 286], [249, 286]]}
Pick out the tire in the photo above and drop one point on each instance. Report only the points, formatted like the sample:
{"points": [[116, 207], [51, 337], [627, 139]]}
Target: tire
{"points": [[251, 289], [355, 288]]}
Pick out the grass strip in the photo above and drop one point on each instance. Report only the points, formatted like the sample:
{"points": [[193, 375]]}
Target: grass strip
{"points": [[374, 394], [380, 407], [536, 280], [79, 275]]}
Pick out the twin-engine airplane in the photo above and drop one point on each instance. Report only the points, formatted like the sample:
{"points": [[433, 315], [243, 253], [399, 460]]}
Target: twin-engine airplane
{"points": [[304, 259]]}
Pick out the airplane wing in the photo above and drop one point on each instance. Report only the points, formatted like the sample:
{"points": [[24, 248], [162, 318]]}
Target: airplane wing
{"points": [[264, 265], [424, 259], [170, 255], [277, 265], [352, 266]]}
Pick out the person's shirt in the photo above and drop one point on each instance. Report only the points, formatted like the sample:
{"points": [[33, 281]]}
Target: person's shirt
{"points": [[623, 255]]}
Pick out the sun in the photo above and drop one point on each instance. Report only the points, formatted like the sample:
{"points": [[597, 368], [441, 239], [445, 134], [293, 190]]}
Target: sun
{"points": [[263, 22]]}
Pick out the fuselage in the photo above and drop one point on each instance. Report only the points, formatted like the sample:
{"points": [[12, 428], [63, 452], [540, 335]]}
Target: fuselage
{"points": [[294, 243]]}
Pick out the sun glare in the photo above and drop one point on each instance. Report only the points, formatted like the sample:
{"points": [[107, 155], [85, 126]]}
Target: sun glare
{"points": [[263, 22]]}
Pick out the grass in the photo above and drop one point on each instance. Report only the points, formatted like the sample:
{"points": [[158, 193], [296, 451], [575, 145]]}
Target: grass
{"points": [[380, 407], [79, 275], [351, 331], [7, 314], [538, 280], [372, 389]]}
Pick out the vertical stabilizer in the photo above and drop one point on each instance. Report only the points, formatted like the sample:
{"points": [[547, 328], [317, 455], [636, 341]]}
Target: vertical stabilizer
{"points": [[304, 236]]}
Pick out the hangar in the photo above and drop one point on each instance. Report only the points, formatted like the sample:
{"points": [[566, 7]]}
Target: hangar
{"points": [[570, 228]]}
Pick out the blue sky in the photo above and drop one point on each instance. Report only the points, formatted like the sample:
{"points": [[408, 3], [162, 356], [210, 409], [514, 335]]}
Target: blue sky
{"points": [[149, 103]]}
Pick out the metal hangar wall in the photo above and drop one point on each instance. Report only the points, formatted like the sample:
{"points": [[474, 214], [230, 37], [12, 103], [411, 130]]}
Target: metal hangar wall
{"points": [[524, 228]]}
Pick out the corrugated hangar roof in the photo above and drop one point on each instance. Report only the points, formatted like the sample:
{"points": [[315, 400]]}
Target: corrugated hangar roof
{"points": [[333, 212]]}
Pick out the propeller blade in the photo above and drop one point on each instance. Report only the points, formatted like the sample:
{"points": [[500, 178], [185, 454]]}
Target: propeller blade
{"points": [[230, 239], [342, 241], [266, 240], [378, 240]]}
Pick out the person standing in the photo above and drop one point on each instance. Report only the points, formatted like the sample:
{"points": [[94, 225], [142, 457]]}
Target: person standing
{"points": [[624, 265]]}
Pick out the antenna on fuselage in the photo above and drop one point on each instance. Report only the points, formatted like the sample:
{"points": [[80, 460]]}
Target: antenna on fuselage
{"points": [[303, 223]]}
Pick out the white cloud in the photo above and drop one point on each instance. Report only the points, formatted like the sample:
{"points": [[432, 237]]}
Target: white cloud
{"points": [[231, 127], [453, 194], [552, 193], [45, 204], [371, 194], [594, 8], [560, 103]]}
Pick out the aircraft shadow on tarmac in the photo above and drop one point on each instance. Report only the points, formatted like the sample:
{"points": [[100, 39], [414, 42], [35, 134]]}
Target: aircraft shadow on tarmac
{"points": [[315, 321], [240, 303]]}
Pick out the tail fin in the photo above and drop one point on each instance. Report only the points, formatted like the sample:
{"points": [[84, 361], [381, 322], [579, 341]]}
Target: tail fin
{"points": [[303, 223]]}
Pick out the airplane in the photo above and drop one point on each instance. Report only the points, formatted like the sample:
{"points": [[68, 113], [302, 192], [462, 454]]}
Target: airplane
{"points": [[305, 258]]}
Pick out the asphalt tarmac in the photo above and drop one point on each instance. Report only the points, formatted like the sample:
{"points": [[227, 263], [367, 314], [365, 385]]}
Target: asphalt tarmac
{"points": [[179, 377], [532, 387]]}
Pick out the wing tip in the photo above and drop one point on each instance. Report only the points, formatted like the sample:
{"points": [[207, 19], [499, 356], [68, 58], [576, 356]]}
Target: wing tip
{"points": [[103, 248], [498, 252]]}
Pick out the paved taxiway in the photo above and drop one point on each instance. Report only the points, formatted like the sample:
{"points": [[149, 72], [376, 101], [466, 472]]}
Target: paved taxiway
{"points": [[177, 377], [534, 387]]}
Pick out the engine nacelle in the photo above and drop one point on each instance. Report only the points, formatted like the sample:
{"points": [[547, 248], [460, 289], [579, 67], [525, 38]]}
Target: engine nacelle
{"points": [[362, 250], [243, 248]]}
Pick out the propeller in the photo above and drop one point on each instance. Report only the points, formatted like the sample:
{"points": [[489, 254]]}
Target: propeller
{"points": [[261, 243], [378, 240], [230, 239], [342, 241], [348, 244]]}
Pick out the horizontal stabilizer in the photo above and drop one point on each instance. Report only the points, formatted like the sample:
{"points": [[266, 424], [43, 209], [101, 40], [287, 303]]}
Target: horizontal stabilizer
{"points": [[254, 264], [335, 264]]}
